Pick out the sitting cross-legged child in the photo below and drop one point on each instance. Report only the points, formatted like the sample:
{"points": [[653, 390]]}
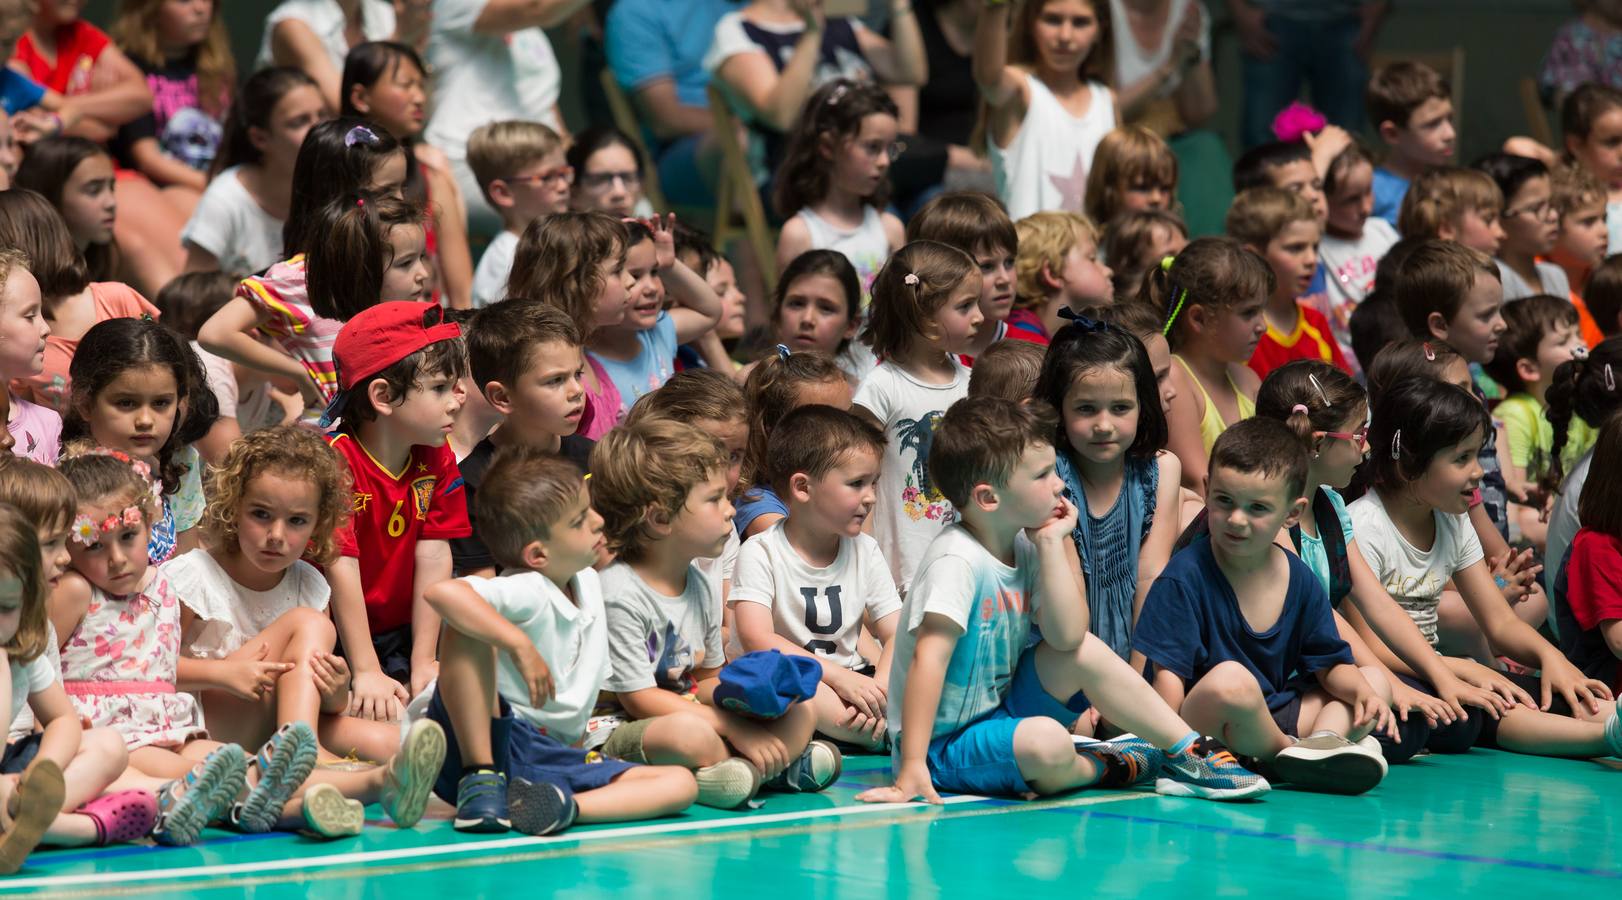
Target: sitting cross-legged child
{"points": [[522, 659]]}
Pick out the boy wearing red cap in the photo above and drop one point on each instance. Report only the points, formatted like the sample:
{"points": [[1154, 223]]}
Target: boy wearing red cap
{"points": [[398, 365]]}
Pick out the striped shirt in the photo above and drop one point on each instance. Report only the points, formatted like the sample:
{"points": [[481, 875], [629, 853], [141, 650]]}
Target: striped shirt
{"points": [[281, 298]]}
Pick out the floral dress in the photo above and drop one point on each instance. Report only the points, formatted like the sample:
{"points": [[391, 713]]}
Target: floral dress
{"points": [[118, 666]]}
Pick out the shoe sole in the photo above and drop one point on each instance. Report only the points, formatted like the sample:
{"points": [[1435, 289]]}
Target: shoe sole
{"points": [[291, 762], [538, 809], [223, 776], [329, 814], [728, 784], [40, 792], [412, 772], [482, 826], [1344, 770], [1171, 787]]}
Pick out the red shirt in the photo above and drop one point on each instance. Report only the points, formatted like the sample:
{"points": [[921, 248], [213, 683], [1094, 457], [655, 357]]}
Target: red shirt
{"points": [[424, 502], [78, 46], [1312, 339], [1594, 596]]}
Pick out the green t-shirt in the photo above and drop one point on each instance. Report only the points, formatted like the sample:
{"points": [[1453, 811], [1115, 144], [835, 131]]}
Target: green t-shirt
{"points": [[1531, 437]]}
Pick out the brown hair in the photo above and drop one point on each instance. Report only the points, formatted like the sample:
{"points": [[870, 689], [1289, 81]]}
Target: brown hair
{"points": [[1399, 88], [1098, 66], [1260, 214], [1442, 196], [812, 440], [1583, 107], [287, 453], [1572, 187], [1264, 446], [1600, 505], [497, 150], [537, 489], [97, 474], [1328, 394], [19, 553], [1131, 154], [189, 299], [31, 224], [693, 396], [135, 31], [1045, 239], [1407, 358], [1135, 317], [981, 439], [648, 466], [1342, 164], [832, 116], [502, 337], [1128, 238], [1214, 272], [1526, 322], [900, 312], [1006, 369], [41, 493], [1603, 294], [1581, 388], [46, 168], [771, 392], [557, 259], [344, 270], [971, 221], [1435, 278], [447, 357]]}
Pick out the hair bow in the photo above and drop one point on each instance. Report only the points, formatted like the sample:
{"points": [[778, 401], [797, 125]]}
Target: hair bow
{"points": [[1082, 323]]}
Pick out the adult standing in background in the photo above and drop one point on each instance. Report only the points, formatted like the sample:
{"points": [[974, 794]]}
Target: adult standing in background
{"points": [[316, 35], [1326, 43]]}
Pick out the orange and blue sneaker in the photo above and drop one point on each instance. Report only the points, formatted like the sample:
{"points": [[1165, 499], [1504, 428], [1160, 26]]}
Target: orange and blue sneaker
{"points": [[1123, 762], [1208, 770]]}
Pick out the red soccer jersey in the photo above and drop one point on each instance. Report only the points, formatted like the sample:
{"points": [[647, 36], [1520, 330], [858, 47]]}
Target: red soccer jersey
{"points": [[78, 46], [424, 502], [1312, 340]]}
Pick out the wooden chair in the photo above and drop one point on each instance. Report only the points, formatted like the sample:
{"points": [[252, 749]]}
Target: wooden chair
{"points": [[736, 193], [1537, 119], [1448, 62], [619, 107]]}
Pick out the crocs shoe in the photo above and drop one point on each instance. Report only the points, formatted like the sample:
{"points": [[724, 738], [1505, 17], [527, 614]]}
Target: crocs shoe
{"points": [[1208, 770], [122, 817], [411, 773], [729, 784], [481, 803], [187, 805], [329, 814], [540, 807], [39, 802], [817, 767], [284, 763]]}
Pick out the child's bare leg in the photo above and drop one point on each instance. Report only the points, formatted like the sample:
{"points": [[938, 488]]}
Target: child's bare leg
{"points": [[832, 711], [1119, 693], [1321, 712], [100, 760], [166, 764], [234, 720], [794, 728], [1457, 632], [679, 739], [364, 738], [1047, 758], [467, 685], [645, 792], [1539, 733], [1228, 703]]}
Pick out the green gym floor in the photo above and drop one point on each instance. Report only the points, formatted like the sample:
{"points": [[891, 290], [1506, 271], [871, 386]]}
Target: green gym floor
{"points": [[1483, 825]]}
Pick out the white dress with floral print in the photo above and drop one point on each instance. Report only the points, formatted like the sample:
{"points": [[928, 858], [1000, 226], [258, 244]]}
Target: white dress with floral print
{"points": [[122, 642]]}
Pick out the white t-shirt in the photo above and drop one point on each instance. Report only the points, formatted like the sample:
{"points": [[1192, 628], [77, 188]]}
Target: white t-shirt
{"points": [[230, 615], [232, 226], [486, 77], [1133, 61], [326, 19], [571, 636], [29, 679], [1413, 577], [820, 609], [1349, 266], [254, 408], [656, 640], [910, 510], [495, 267], [1045, 165], [994, 604]]}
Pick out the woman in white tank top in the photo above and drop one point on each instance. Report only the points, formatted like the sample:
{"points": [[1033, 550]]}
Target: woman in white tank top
{"points": [[1047, 104]]}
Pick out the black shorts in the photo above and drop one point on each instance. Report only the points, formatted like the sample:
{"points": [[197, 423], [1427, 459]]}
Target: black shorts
{"points": [[19, 754], [1480, 729]]}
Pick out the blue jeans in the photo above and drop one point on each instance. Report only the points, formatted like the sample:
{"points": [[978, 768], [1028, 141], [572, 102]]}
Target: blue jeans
{"points": [[1319, 53]]}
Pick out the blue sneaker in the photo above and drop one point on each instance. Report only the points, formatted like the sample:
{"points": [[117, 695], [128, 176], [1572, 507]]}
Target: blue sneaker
{"points": [[481, 803], [811, 772], [1208, 770], [540, 807], [1124, 762]]}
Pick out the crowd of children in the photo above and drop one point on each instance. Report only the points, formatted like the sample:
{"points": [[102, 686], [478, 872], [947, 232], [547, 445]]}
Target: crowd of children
{"points": [[1031, 492]]}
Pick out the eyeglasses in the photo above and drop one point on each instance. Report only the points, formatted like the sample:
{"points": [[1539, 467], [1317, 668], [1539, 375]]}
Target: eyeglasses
{"points": [[1536, 211], [893, 150], [1359, 437], [564, 174], [596, 181]]}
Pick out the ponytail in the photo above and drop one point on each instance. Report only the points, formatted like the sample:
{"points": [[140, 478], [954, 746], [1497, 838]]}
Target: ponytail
{"points": [[344, 270], [1586, 388]]}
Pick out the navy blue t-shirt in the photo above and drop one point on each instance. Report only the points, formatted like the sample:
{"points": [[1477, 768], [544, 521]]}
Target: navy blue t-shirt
{"points": [[1191, 622]]}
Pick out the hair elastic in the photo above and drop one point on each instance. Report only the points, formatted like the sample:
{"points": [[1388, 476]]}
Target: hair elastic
{"points": [[782, 352], [360, 134], [1610, 379], [1320, 389], [838, 94], [1300, 408], [1430, 352], [1396, 444], [1165, 263], [1182, 297]]}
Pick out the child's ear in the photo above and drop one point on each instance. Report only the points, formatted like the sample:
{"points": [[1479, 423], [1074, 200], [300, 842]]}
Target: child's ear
{"points": [[501, 193], [258, 138], [495, 393], [534, 555], [1528, 369], [1437, 325], [1195, 313], [658, 520], [825, 145], [799, 487], [357, 99], [1048, 281], [1447, 231], [381, 398], [1296, 509], [856, 323], [984, 496], [1389, 131]]}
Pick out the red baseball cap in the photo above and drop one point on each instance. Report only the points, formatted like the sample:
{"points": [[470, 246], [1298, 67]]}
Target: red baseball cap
{"points": [[382, 335]]}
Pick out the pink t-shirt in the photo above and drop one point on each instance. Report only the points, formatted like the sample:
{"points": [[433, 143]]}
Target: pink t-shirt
{"points": [[37, 430], [112, 300]]}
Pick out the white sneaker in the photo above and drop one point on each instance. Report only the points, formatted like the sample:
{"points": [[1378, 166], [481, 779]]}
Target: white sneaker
{"points": [[1371, 744], [1328, 763]]}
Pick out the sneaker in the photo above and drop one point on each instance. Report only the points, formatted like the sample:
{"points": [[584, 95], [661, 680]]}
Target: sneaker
{"points": [[284, 762], [1371, 744], [728, 784], [1123, 762], [540, 807], [1330, 764], [1613, 729], [412, 771], [481, 803], [329, 814], [817, 767], [1209, 771], [39, 800], [187, 805]]}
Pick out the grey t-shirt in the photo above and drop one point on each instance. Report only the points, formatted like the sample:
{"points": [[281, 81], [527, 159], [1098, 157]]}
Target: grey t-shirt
{"points": [[1555, 282], [655, 640], [1563, 523]]}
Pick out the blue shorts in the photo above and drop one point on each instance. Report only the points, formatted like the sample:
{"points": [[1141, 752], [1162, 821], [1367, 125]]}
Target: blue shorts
{"points": [[979, 758], [522, 751]]}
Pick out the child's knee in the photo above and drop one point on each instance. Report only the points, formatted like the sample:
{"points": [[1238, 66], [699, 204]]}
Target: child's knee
{"points": [[1229, 685], [1378, 681], [684, 736], [312, 628], [106, 747], [1043, 746]]}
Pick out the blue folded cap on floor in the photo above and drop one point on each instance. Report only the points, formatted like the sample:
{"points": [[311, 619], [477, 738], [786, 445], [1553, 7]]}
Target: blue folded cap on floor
{"points": [[764, 684]]}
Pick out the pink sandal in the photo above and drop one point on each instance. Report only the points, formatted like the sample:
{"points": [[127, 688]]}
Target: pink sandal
{"points": [[122, 817]]}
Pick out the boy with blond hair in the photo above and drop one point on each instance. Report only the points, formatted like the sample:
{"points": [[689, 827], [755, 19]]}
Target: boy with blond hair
{"points": [[1281, 228], [1579, 199], [521, 171], [1057, 266], [1411, 108], [1454, 204]]}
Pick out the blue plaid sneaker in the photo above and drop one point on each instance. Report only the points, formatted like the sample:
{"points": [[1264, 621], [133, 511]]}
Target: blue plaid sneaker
{"points": [[481, 803], [1123, 762], [1208, 770]]}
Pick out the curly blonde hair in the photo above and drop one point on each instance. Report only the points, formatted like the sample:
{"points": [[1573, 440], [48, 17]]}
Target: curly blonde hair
{"points": [[291, 452], [1045, 239], [650, 465]]}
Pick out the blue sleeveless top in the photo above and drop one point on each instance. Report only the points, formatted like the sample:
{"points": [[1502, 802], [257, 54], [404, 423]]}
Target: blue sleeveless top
{"points": [[1109, 544]]}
